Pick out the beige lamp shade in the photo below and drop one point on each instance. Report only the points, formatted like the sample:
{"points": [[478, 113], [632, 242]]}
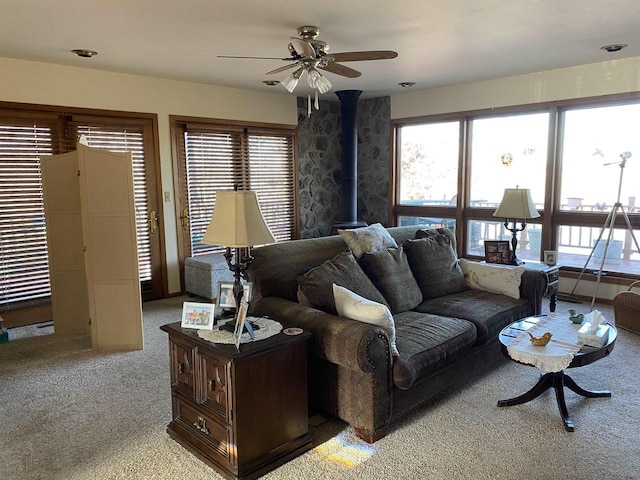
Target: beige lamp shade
{"points": [[237, 221], [517, 204]]}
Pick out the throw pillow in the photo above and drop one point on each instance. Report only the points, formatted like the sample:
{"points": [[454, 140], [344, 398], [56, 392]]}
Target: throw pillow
{"points": [[367, 239], [503, 279], [343, 270], [435, 266], [353, 306], [432, 232], [390, 272]]}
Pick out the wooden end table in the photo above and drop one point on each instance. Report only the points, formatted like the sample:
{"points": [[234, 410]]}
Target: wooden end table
{"points": [[243, 412], [557, 380]]}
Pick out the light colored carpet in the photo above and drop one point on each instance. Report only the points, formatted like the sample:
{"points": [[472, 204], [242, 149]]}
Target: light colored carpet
{"points": [[68, 412]]}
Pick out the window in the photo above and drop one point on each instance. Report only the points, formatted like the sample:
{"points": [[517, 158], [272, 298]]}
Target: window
{"points": [[26, 133], [593, 141], [428, 156], [507, 151], [429, 163], [214, 156], [574, 181], [598, 169], [24, 265]]}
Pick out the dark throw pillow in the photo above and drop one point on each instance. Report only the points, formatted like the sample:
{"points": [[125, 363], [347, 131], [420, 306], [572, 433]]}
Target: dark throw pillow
{"points": [[390, 272], [433, 232], [344, 271], [434, 264]]}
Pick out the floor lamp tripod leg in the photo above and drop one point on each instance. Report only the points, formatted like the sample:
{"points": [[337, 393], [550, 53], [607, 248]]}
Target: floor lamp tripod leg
{"points": [[606, 225], [604, 254]]}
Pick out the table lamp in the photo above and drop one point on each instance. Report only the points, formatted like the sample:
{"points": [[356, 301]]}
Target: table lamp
{"points": [[237, 223], [516, 206]]}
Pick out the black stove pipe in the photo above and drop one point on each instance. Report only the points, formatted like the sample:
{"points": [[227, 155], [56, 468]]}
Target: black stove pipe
{"points": [[349, 159]]}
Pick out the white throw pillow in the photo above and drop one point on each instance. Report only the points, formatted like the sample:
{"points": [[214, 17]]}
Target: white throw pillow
{"points": [[367, 239], [496, 278], [355, 307]]}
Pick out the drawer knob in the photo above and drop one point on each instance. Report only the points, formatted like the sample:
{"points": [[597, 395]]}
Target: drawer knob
{"points": [[201, 425], [181, 368]]}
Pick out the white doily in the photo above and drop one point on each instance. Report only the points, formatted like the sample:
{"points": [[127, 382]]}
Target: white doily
{"points": [[268, 328], [555, 355]]}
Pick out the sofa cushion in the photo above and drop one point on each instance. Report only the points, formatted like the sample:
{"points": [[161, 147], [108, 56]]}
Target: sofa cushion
{"points": [[367, 239], [343, 270], [434, 264], [504, 279], [432, 232], [355, 307], [489, 312], [390, 272], [428, 343]]}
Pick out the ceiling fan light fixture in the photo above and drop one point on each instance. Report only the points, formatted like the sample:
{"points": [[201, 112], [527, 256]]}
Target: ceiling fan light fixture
{"points": [[318, 81], [291, 81]]}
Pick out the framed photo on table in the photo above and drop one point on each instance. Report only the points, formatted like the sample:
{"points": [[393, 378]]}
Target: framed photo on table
{"points": [[497, 251], [198, 315], [226, 300]]}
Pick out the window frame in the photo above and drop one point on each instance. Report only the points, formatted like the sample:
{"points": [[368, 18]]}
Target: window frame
{"points": [[178, 126], [551, 216], [60, 118]]}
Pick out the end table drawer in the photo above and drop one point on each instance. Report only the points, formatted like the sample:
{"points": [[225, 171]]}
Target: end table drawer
{"points": [[214, 438], [182, 369]]}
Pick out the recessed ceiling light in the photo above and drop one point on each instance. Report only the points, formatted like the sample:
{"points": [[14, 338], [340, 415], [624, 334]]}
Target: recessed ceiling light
{"points": [[84, 53], [614, 47], [407, 84], [271, 83]]}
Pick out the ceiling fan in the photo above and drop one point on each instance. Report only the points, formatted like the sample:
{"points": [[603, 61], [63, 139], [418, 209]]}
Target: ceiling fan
{"points": [[310, 54]]}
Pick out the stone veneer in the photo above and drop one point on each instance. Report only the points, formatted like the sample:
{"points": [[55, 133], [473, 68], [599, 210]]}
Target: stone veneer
{"points": [[319, 163]]}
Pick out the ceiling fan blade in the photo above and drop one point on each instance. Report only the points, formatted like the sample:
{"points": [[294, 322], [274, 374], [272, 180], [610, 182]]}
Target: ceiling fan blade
{"points": [[341, 70], [257, 58], [359, 56], [282, 69], [302, 47]]}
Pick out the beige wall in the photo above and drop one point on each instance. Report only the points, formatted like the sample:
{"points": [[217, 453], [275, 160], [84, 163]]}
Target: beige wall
{"points": [[617, 76], [48, 84]]}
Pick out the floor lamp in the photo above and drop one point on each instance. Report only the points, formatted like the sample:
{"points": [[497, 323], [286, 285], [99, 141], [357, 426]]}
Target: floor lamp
{"points": [[516, 207], [237, 223]]}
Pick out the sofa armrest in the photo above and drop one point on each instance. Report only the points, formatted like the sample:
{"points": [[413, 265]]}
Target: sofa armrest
{"points": [[533, 286], [355, 345]]}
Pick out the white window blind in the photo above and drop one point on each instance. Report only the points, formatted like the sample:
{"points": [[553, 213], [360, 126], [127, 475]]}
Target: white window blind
{"points": [[220, 160], [272, 177], [24, 268], [124, 139]]}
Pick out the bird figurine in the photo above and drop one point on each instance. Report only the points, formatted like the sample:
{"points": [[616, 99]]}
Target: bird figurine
{"points": [[575, 317], [540, 341]]}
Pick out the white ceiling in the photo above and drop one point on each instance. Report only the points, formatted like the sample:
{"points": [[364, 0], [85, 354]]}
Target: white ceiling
{"points": [[439, 42]]}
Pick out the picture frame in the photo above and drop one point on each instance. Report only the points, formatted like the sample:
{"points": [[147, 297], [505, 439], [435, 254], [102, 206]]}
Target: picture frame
{"points": [[198, 315], [225, 299], [550, 257], [497, 251], [240, 321]]}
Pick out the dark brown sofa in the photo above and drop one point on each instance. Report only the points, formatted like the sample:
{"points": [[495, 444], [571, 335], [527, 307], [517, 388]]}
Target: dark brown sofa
{"points": [[352, 372]]}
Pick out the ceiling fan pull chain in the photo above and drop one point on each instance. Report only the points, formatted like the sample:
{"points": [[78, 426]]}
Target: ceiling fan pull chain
{"points": [[308, 105], [316, 103]]}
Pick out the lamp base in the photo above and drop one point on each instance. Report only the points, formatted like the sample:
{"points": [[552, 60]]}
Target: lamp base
{"points": [[230, 326], [517, 261]]}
